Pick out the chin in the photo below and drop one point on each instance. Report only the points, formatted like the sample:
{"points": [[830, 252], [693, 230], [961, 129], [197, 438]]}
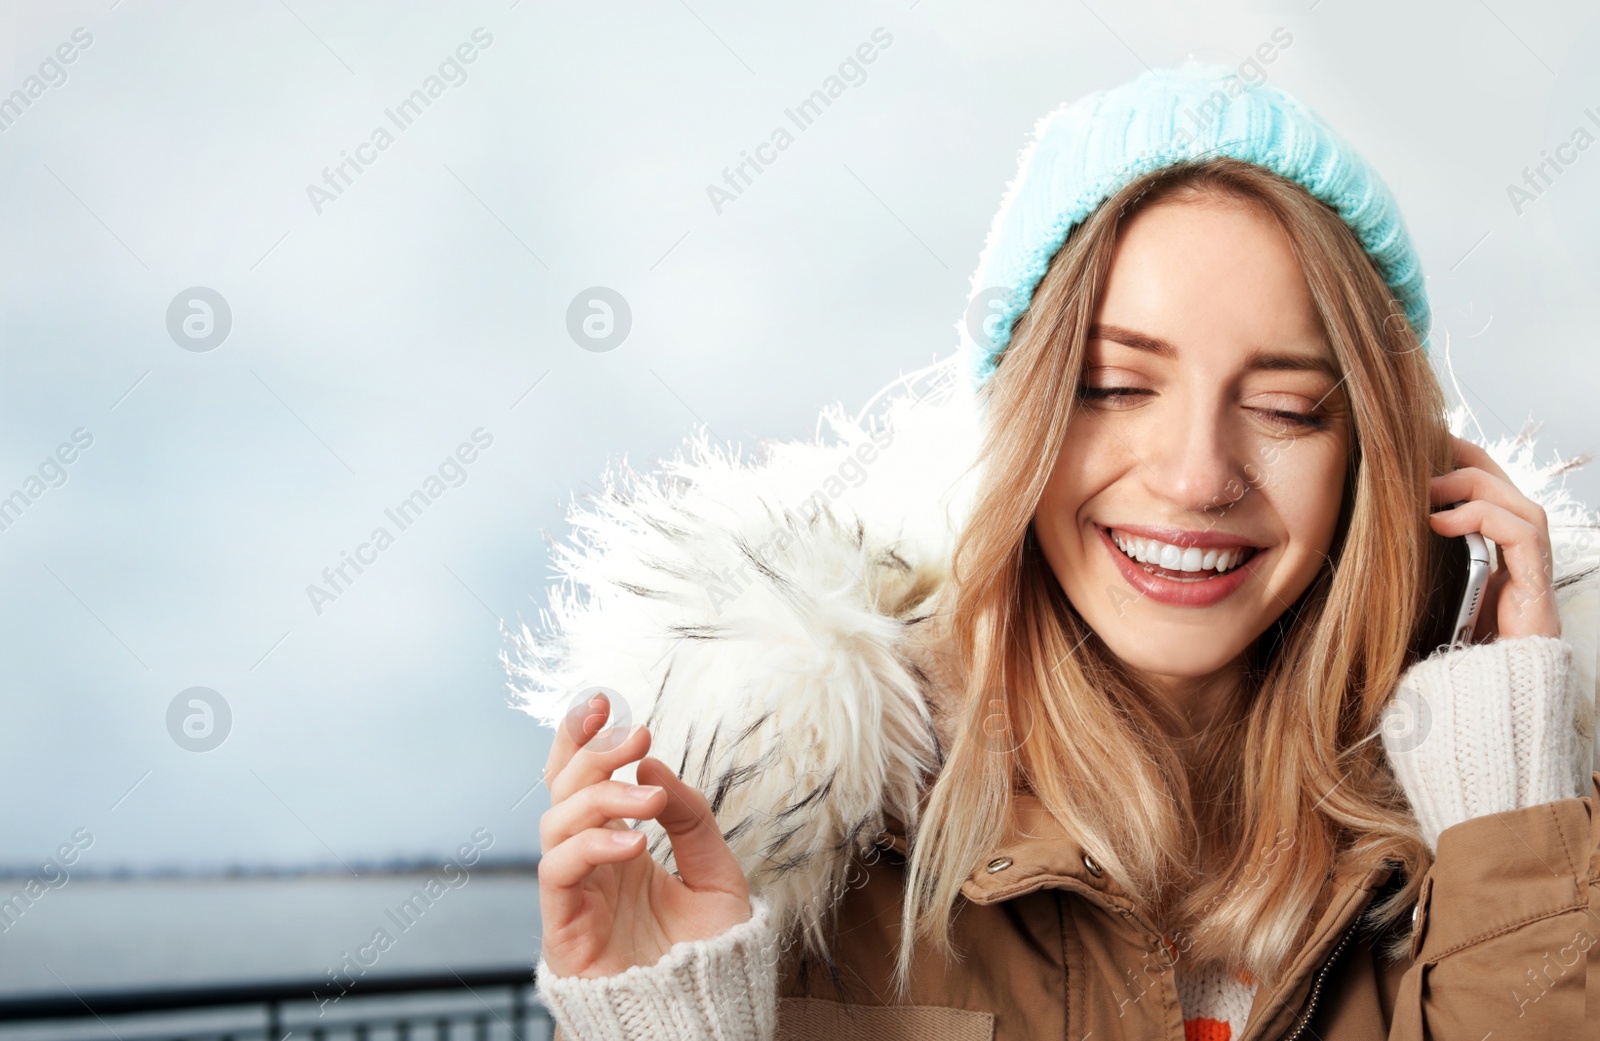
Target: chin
{"points": [[1175, 654]]}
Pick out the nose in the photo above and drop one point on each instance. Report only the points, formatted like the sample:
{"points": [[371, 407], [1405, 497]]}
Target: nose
{"points": [[1195, 462]]}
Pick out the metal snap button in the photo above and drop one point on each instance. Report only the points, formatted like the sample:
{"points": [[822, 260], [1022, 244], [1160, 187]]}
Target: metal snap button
{"points": [[998, 864], [1093, 865]]}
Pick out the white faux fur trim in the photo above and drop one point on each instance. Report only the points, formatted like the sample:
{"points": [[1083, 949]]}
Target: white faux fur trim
{"points": [[752, 614]]}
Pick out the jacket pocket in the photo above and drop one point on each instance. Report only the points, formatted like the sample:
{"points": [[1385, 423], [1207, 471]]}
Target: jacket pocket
{"points": [[818, 1019]]}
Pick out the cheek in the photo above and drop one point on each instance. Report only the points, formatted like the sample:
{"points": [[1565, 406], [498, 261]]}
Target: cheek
{"points": [[1072, 479], [1311, 491], [1085, 467]]}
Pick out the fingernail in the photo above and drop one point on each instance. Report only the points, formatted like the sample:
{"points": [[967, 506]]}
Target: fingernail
{"points": [[587, 708], [623, 838], [643, 791]]}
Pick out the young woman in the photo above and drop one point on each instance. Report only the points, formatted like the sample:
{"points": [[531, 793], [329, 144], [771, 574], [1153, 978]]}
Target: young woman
{"points": [[1132, 727]]}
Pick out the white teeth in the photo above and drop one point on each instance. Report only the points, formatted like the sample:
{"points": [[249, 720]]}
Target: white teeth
{"points": [[1177, 558]]}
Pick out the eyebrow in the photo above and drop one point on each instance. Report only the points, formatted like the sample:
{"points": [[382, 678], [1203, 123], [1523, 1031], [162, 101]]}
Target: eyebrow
{"points": [[1258, 360]]}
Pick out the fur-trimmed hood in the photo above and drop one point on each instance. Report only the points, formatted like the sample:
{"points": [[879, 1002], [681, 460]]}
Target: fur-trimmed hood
{"points": [[771, 620]]}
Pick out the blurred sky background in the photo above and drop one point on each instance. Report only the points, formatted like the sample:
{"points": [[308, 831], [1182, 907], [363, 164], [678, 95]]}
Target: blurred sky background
{"points": [[430, 300]]}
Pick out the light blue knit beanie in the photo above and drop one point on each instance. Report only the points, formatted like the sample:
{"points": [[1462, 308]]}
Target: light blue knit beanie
{"points": [[1088, 149]]}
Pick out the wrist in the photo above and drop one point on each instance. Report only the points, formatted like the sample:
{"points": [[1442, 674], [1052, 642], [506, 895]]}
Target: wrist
{"points": [[721, 986], [1484, 729]]}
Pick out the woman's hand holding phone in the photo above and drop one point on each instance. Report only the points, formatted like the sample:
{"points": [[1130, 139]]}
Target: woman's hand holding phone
{"points": [[606, 904], [1519, 599]]}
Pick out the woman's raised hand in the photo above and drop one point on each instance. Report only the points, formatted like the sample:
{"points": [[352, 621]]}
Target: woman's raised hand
{"points": [[606, 904], [1518, 600]]}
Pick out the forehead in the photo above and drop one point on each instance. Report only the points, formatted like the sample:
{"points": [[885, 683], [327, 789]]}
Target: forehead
{"points": [[1217, 275]]}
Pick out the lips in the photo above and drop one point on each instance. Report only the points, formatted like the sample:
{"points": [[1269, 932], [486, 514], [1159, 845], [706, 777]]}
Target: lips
{"points": [[1188, 589], [1183, 537]]}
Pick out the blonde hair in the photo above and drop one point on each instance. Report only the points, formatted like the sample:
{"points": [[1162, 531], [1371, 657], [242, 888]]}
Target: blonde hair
{"points": [[1294, 784]]}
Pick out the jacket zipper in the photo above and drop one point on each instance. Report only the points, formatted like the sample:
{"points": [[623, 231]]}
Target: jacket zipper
{"points": [[1316, 985]]}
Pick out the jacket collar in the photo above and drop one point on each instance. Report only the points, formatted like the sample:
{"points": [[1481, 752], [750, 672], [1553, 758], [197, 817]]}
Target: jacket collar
{"points": [[1038, 853]]}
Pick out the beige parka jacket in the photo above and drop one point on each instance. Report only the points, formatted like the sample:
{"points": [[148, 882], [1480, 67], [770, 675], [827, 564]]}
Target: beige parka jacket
{"points": [[1500, 947]]}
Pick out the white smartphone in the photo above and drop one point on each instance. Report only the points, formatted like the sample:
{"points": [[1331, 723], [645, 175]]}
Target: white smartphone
{"points": [[1472, 596]]}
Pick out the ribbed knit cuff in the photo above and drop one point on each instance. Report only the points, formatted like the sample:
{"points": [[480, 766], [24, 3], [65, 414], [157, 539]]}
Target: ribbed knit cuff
{"points": [[1484, 729], [722, 988]]}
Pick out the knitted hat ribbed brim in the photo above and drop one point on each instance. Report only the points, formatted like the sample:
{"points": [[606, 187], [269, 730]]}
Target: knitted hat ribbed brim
{"points": [[1089, 149]]}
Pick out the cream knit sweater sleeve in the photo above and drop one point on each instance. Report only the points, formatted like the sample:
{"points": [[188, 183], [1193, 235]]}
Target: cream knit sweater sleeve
{"points": [[723, 988], [1487, 728]]}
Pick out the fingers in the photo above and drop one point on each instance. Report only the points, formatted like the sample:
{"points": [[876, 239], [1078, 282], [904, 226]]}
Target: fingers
{"points": [[597, 806], [1467, 452], [1473, 482], [1517, 539], [1524, 604], [577, 761], [563, 868], [588, 765], [574, 730], [1521, 591], [703, 858], [580, 832]]}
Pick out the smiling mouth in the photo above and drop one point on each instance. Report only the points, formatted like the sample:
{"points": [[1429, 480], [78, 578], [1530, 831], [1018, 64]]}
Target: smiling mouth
{"points": [[1193, 564]]}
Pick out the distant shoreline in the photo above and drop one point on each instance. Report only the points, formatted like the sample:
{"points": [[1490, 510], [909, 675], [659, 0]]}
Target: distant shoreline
{"points": [[232, 872]]}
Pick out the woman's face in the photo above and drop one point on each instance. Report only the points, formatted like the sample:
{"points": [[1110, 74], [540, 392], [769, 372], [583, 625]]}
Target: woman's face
{"points": [[1188, 444]]}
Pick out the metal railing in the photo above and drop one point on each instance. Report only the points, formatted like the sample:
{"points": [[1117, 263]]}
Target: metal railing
{"points": [[475, 1005]]}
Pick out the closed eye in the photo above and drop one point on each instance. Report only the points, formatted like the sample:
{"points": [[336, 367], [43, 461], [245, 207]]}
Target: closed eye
{"points": [[1094, 393], [1298, 419]]}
